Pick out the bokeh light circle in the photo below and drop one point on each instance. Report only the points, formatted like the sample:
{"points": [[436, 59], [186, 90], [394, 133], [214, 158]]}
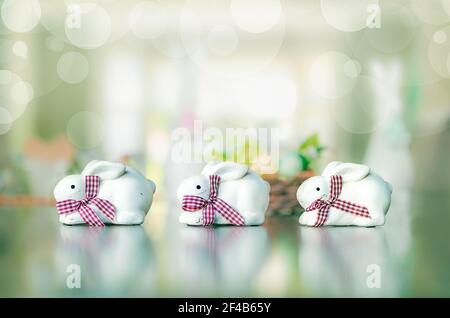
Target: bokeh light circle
{"points": [[112, 16], [85, 130], [169, 41], [333, 75], [255, 16], [21, 15], [55, 15], [374, 60], [439, 52], [201, 34], [22, 93], [93, 29], [21, 66], [148, 19], [10, 60], [20, 49], [222, 40], [431, 12], [15, 93], [440, 37], [397, 29], [6, 121], [367, 108], [352, 68], [72, 67], [347, 15]]}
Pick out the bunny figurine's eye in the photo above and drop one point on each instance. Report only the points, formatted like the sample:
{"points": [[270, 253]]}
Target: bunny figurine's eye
{"points": [[198, 187], [318, 189], [72, 186]]}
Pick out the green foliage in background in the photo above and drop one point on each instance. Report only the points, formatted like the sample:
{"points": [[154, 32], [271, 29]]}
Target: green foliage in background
{"points": [[291, 163], [310, 150], [246, 152], [305, 157]]}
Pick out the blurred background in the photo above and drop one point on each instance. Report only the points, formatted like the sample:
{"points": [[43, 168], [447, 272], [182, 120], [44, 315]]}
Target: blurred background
{"points": [[363, 81]]}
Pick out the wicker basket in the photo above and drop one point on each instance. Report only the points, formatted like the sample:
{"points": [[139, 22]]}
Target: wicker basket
{"points": [[283, 199]]}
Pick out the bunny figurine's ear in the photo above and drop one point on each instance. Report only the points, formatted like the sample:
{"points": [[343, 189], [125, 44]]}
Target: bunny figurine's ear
{"points": [[226, 170], [209, 168], [104, 169], [348, 171], [329, 169]]}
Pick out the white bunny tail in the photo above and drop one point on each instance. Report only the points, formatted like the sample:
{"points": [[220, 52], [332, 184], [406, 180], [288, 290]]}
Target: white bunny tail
{"points": [[389, 186], [268, 185], [152, 185]]}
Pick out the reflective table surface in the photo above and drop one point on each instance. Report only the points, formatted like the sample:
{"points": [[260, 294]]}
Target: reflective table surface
{"points": [[408, 257]]}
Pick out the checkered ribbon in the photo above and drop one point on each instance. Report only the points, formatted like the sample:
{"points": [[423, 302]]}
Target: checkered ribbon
{"points": [[323, 206], [82, 206], [192, 203]]}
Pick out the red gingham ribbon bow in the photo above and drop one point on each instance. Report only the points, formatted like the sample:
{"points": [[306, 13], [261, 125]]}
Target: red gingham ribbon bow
{"points": [[333, 201], [192, 203], [82, 206]]}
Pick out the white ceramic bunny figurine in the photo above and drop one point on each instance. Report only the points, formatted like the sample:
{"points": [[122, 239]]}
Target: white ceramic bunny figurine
{"points": [[104, 193], [345, 194], [224, 193]]}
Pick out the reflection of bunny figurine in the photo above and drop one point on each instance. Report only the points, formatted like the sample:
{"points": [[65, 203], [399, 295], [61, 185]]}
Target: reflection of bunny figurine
{"points": [[337, 262], [109, 259], [224, 193], [120, 187], [222, 260], [345, 194]]}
